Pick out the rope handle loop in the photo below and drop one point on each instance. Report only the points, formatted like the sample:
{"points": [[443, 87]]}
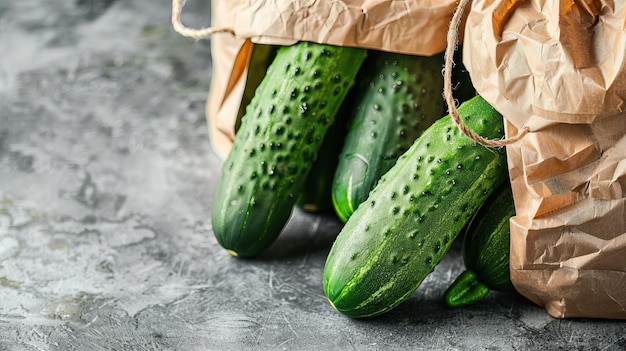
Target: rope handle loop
{"points": [[177, 7], [452, 42]]}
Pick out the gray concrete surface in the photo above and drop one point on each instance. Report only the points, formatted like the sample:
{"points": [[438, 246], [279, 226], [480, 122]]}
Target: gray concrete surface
{"points": [[106, 183]]}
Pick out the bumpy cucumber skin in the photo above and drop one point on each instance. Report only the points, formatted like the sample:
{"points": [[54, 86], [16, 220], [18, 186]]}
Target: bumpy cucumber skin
{"points": [[260, 59], [465, 290], [316, 194], [411, 218], [278, 141], [398, 97], [486, 249]]}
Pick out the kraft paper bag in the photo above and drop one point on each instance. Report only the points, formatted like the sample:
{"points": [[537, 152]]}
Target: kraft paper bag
{"points": [[417, 27], [557, 68]]}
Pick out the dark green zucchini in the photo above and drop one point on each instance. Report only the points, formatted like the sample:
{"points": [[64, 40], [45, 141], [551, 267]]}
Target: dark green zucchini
{"points": [[413, 215], [398, 97], [485, 251]]}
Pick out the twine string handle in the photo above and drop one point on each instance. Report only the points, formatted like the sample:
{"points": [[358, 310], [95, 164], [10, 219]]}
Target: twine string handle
{"points": [[177, 7], [452, 41]]}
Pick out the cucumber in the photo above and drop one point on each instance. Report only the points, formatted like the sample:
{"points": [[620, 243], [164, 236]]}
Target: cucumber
{"points": [[413, 215], [316, 195], [260, 58], [398, 97], [278, 141], [485, 251]]}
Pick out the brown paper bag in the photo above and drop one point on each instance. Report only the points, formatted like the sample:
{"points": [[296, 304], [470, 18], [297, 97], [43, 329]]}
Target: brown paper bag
{"points": [[416, 27], [557, 68]]}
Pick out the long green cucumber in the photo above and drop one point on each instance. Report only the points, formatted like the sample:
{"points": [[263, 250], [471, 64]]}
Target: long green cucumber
{"points": [[485, 251], [316, 194], [278, 141], [260, 59], [413, 215], [398, 97]]}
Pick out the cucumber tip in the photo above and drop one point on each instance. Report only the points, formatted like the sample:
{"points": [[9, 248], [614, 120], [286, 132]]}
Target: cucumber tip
{"points": [[232, 252]]}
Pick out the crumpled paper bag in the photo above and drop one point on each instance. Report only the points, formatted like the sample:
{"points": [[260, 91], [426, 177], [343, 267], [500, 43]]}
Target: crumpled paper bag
{"points": [[416, 27], [558, 69]]}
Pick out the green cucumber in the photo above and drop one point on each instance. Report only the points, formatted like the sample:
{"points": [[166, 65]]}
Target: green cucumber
{"points": [[260, 59], [316, 195], [278, 141], [398, 97], [485, 251], [413, 215]]}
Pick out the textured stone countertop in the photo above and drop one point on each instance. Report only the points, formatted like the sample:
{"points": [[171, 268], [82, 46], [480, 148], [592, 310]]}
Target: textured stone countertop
{"points": [[106, 183]]}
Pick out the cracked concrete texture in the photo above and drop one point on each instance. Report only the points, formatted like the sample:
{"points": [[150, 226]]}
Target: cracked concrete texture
{"points": [[106, 181]]}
